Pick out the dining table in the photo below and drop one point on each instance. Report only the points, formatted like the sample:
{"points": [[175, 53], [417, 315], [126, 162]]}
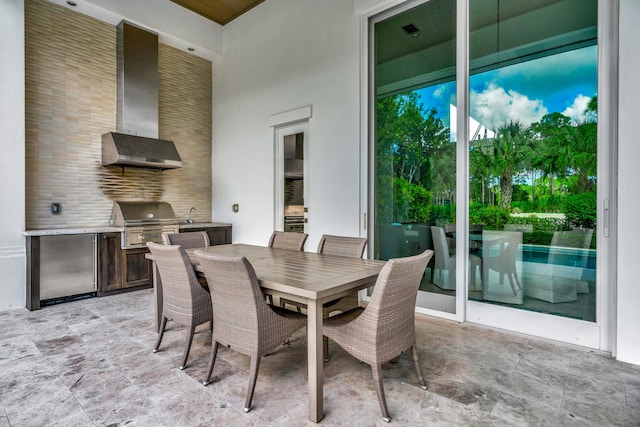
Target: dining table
{"points": [[306, 277]]}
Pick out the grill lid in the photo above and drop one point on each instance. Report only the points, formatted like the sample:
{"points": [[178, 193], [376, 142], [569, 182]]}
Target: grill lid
{"points": [[142, 213]]}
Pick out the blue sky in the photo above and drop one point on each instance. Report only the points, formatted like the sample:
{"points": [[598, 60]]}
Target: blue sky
{"points": [[526, 91]]}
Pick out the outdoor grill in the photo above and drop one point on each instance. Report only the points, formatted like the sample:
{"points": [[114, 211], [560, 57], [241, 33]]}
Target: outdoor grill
{"points": [[143, 222]]}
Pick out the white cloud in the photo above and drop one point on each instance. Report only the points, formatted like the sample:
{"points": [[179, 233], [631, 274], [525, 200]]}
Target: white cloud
{"points": [[495, 107], [577, 109], [439, 92]]}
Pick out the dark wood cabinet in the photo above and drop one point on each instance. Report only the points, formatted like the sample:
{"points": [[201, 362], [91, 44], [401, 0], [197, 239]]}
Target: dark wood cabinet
{"points": [[123, 269], [217, 235], [109, 262], [136, 268], [120, 269]]}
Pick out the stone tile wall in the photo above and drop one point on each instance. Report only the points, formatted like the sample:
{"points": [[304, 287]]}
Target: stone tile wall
{"points": [[70, 101]]}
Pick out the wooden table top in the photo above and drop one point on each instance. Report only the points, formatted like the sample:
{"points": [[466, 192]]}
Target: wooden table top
{"points": [[304, 274]]}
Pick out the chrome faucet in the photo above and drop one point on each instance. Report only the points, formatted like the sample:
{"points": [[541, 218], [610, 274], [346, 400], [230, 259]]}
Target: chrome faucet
{"points": [[191, 211]]}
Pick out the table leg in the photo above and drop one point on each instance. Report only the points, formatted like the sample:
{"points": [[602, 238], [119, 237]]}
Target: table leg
{"points": [[315, 359]]}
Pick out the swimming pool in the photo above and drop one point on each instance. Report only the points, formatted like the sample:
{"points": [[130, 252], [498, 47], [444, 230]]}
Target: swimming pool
{"points": [[572, 257]]}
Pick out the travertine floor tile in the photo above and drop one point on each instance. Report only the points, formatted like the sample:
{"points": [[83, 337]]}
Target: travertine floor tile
{"points": [[90, 363]]}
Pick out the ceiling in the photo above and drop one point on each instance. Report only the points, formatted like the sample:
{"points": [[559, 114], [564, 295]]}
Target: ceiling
{"points": [[219, 11]]}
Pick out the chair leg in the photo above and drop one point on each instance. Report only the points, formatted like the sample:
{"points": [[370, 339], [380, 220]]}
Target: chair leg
{"points": [[190, 333], [325, 348], [377, 379], [416, 365], [214, 352], [513, 288], [253, 376], [163, 325]]}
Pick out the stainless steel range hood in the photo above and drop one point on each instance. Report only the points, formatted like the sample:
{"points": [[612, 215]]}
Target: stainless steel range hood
{"points": [[120, 149], [135, 142]]}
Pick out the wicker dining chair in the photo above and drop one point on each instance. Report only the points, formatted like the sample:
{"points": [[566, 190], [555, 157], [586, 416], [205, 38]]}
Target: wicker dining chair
{"points": [[243, 320], [386, 327], [352, 247], [184, 300], [188, 240], [288, 240]]}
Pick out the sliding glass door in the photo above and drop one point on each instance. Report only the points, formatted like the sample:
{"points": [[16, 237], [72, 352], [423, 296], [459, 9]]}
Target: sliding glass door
{"points": [[511, 200], [414, 53], [533, 153]]}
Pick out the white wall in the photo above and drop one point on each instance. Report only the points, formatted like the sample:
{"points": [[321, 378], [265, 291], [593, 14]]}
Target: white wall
{"points": [[12, 250], [628, 298], [280, 56]]}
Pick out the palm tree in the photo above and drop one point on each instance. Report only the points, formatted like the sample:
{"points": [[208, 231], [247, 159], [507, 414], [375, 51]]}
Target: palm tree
{"points": [[505, 156], [567, 148], [554, 156]]}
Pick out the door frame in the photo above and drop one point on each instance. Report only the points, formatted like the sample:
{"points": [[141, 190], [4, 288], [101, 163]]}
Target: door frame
{"points": [[286, 123], [280, 133]]}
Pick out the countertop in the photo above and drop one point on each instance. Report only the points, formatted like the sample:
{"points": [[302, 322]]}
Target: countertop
{"points": [[73, 230], [109, 229], [186, 226]]}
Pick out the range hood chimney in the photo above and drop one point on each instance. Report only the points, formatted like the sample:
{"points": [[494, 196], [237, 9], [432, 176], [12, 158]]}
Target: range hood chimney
{"points": [[135, 142]]}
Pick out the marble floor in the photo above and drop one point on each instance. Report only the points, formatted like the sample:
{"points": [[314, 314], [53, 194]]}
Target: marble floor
{"points": [[89, 363]]}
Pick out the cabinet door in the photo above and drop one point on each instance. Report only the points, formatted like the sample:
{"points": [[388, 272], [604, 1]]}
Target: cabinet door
{"points": [[109, 262], [219, 235], [137, 269]]}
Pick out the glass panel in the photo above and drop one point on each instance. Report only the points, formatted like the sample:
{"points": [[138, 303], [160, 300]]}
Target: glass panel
{"points": [[415, 155], [533, 122]]}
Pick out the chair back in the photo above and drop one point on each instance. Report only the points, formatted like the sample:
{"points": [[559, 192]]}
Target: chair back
{"points": [[342, 246], [425, 241], [391, 310], [577, 238], [238, 302], [440, 247], [500, 250], [191, 239], [287, 240], [182, 295]]}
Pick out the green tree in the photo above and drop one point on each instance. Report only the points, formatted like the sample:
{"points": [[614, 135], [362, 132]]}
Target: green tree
{"points": [[568, 148], [554, 154], [408, 140], [504, 156]]}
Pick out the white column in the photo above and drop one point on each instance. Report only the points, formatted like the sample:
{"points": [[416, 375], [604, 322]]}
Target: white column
{"points": [[12, 169]]}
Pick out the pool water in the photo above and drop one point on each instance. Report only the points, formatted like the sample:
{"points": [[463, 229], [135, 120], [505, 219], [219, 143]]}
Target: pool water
{"points": [[573, 257]]}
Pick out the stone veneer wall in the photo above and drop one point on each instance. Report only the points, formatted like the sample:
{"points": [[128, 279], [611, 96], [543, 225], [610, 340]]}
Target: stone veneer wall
{"points": [[70, 101]]}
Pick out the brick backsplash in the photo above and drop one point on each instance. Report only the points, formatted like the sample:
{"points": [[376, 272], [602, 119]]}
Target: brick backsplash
{"points": [[70, 101]]}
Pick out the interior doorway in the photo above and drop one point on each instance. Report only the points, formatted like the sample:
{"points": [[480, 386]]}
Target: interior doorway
{"points": [[290, 149]]}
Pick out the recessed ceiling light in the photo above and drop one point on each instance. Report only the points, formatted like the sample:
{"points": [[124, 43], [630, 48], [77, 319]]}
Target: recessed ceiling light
{"points": [[72, 3], [410, 29]]}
